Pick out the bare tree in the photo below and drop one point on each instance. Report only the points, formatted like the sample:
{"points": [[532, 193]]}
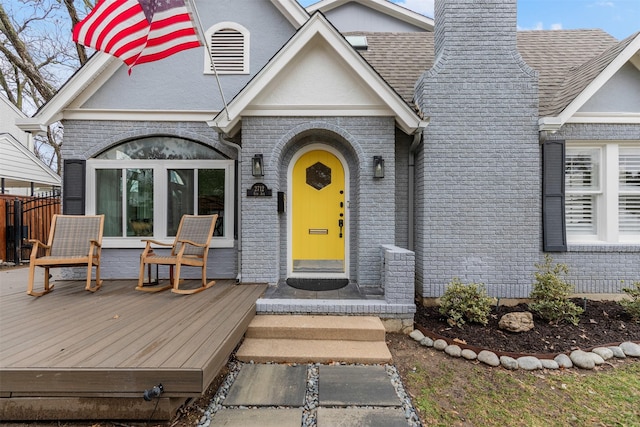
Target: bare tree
{"points": [[37, 55]]}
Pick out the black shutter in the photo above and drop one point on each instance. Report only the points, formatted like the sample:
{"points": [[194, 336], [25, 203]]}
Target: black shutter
{"points": [[73, 187], [554, 234]]}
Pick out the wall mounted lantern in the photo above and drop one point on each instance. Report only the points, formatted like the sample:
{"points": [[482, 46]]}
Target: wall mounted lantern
{"points": [[378, 167], [257, 168]]}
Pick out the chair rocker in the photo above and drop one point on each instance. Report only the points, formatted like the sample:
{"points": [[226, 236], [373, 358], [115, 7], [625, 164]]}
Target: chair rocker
{"points": [[190, 248], [74, 240]]}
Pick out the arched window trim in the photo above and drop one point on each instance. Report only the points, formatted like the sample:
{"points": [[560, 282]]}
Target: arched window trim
{"points": [[235, 67]]}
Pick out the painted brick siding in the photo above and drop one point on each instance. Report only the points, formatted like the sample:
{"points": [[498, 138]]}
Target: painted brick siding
{"points": [[371, 210], [600, 268], [480, 160], [86, 138]]}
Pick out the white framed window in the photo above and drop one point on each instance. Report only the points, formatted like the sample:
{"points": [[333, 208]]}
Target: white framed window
{"points": [[228, 49], [602, 188], [144, 195]]}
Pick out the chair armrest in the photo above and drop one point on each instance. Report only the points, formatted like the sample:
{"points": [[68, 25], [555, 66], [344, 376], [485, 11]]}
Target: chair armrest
{"points": [[95, 242], [155, 242], [38, 243], [200, 245]]}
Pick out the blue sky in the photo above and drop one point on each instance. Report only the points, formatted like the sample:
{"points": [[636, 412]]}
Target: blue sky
{"points": [[620, 18]]}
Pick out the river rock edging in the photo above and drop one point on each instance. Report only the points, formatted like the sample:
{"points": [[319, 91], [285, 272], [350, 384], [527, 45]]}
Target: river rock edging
{"points": [[583, 359]]}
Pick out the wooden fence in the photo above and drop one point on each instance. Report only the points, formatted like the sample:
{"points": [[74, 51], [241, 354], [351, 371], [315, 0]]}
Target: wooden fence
{"points": [[37, 212]]}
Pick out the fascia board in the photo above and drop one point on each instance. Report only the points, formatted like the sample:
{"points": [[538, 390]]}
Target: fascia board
{"points": [[81, 80], [383, 6], [291, 9], [617, 118], [139, 115], [318, 26], [625, 56]]}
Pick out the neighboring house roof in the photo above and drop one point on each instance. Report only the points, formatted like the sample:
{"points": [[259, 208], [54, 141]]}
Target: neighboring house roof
{"points": [[318, 61], [20, 167], [567, 60], [383, 6]]}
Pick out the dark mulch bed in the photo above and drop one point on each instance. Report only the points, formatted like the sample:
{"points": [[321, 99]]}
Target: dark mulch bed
{"points": [[603, 322]]}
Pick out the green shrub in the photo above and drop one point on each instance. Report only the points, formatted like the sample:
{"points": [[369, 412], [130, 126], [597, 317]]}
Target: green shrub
{"points": [[632, 307], [462, 303], [551, 292]]}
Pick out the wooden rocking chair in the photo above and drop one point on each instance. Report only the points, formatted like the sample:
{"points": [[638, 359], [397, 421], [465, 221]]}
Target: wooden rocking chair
{"points": [[190, 248], [74, 240]]}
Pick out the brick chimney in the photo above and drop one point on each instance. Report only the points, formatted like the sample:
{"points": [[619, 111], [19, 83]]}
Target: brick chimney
{"points": [[486, 27]]}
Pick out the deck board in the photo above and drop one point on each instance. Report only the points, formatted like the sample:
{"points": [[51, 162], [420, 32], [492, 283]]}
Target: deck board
{"points": [[117, 342]]}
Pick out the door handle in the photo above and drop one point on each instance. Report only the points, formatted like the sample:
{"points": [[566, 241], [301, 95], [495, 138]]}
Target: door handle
{"points": [[340, 224]]}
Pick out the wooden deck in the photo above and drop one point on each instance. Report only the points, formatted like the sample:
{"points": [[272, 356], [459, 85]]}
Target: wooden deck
{"points": [[72, 354]]}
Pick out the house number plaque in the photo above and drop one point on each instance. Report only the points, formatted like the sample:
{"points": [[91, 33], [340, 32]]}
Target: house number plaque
{"points": [[259, 190]]}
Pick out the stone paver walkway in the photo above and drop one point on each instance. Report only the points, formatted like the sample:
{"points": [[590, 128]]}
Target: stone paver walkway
{"points": [[311, 395]]}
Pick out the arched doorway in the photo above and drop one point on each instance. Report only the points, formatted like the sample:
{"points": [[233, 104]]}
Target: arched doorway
{"points": [[318, 221]]}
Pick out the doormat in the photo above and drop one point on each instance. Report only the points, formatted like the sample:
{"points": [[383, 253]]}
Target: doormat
{"points": [[317, 284]]}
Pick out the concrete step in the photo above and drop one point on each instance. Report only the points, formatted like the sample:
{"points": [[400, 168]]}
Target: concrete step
{"points": [[355, 328], [314, 339], [313, 351]]}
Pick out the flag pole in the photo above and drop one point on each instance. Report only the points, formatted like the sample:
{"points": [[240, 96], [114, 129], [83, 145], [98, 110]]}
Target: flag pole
{"points": [[200, 30]]}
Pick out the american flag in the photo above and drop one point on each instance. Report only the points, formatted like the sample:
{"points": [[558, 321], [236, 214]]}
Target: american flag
{"points": [[138, 31]]}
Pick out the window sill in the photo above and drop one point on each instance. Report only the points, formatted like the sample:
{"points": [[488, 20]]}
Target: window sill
{"points": [[137, 243], [603, 247]]}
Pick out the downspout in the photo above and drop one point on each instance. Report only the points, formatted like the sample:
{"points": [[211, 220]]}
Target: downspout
{"points": [[238, 148], [417, 139]]}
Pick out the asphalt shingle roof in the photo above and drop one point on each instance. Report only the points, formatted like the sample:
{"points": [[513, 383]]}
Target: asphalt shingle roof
{"points": [[566, 60]]}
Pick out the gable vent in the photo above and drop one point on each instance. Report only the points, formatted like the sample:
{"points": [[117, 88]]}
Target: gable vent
{"points": [[228, 50]]}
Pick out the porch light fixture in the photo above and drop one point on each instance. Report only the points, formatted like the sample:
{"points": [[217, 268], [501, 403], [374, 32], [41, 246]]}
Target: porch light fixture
{"points": [[257, 169], [378, 167]]}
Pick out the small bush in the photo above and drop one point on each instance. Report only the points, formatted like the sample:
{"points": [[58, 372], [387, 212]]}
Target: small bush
{"points": [[462, 303], [550, 294], [632, 307]]}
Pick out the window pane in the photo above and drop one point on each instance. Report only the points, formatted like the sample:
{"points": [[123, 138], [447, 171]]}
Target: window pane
{"points": [[629, 214], [160, 147], [180, 184], [629, 170], [109, 200], [579, 211], [139, 202], [582, 169], [211, 196]]}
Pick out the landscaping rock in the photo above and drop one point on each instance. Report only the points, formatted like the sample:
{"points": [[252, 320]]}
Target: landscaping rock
{"points": [[489, 357], [603, 352], [630, 349], [416, 335], [440, 344], [563, 361], [582, 359], [549, 364], [469, 354], [529, 363], [617, 352], [517, 322], [508, 362], [453, 350], [426, 342]]}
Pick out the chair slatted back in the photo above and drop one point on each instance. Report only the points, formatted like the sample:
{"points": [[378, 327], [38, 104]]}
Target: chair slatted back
{"points": [[71, 234], [198, 229]]}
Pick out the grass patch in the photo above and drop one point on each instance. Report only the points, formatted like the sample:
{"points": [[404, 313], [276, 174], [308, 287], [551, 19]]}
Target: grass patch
{"points": [[479, 396]]}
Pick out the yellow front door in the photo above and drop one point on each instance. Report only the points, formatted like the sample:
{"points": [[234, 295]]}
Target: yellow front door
{"points": [[318, 214]]}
